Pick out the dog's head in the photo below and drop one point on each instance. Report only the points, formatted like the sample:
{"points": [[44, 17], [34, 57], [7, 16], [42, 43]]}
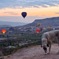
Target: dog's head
{"points": [[45, 49], [44, 44]]}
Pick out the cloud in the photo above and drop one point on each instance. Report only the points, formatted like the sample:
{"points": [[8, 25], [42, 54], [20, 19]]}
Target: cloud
{"points": [[27, 3], [12, 13], [57, 12]]}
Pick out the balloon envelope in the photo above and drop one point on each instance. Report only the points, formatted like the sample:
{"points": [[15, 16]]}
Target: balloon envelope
{"points": [[24, 14], [37, 30], [3, 31]]}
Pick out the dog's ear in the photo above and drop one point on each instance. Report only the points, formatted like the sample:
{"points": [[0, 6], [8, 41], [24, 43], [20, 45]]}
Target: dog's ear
{"points": [[45, 49], [47, 45]]}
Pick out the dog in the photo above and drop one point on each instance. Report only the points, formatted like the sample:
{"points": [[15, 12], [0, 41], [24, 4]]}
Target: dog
{"points": [[48, 38]]}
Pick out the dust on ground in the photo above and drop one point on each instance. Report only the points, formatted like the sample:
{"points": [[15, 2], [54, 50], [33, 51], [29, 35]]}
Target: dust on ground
{"points": [[34, 52]]}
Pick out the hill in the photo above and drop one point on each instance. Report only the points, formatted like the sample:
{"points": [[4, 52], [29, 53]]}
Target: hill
{"points": [[54, 21]]}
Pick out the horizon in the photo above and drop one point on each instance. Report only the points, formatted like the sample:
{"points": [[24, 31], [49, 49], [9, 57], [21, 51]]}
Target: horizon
{"points": [[8, 23], [25, 22]]}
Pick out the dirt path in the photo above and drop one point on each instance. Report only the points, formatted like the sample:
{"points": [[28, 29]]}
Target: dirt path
{"points": [[34, 52]]}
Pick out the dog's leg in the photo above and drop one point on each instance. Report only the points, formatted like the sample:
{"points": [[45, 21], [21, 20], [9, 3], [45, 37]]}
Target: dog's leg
{"points": [[58, 50], [49, 48], [58, 45]]}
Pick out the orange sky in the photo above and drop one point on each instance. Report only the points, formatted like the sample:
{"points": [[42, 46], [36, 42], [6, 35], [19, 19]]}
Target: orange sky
{"points": [[31, 11]]}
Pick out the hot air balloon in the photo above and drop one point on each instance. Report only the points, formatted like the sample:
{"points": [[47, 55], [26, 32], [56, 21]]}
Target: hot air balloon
{"points": [[37, 30], [3, 31], [24, 14]]}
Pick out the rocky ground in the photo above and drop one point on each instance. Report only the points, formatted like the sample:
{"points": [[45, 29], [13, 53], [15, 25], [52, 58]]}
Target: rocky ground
{"points": [[34, 52]]}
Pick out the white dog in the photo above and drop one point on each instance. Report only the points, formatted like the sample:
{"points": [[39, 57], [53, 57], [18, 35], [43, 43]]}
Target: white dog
{"points": [[48, 37]]}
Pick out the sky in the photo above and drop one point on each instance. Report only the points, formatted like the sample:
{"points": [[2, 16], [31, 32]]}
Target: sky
{"points": [[10, 10]]}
